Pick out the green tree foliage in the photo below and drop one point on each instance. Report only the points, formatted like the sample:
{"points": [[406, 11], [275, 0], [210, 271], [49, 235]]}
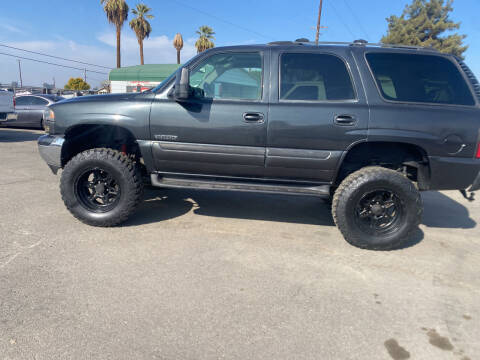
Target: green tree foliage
{"points": [[141, 26], [77, 84], [117, 13], [423, 23], [205, 37]]}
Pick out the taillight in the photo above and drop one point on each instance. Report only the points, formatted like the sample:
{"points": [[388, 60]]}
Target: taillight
{"points": [[478, 151]]}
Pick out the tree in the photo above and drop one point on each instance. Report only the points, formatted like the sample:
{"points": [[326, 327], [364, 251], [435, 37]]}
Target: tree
{"points": [[106, 85], [205, 37], [117, 13], [423, 23], [141, 26], [77, 84], [178, 44]]}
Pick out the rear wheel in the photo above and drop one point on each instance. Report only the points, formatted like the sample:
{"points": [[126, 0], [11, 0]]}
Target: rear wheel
{"points": [[101, 187], [377, 208]]}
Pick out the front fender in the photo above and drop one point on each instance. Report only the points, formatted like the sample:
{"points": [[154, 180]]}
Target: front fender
{"points": [[129, 112]]}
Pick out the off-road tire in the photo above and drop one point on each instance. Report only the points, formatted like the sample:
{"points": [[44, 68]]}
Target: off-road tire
{"points": [[370, 179], [122, 169]]}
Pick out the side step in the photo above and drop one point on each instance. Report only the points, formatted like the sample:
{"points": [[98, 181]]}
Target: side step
{"points": [[166, 181]]}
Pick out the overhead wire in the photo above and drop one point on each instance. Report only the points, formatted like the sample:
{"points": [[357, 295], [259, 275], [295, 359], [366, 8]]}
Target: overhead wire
{"points": [[53, 56], [340, 18], [223, 20], [54, 64], [360, 25]]}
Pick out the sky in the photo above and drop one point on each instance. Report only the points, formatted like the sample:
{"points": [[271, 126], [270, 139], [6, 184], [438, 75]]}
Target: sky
{"points": [[79, 30]]}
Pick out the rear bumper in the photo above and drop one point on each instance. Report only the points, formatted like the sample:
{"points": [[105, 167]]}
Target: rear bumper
{"points": [[450, 173], [8, 117], [50, 148]]}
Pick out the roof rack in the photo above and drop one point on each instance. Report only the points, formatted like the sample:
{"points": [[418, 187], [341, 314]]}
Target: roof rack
{"points": [[359, 42]]}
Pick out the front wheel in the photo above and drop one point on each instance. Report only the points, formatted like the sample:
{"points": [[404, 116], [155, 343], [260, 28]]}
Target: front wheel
{"points": [[101, 187], [377, 208]]}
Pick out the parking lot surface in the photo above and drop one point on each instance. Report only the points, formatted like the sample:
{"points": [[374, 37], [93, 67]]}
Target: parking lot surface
{"points": [[208, 275]]}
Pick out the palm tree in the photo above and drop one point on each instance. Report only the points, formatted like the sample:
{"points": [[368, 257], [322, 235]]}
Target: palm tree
{"points": [[117, 13], [141, 26], [205, 35], [178, 44]]}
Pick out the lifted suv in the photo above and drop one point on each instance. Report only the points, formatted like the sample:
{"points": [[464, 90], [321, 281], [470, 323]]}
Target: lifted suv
{"points": [[369, 125]]}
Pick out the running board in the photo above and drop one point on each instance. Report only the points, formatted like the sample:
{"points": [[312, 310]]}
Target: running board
{"points": [[228, 185]]}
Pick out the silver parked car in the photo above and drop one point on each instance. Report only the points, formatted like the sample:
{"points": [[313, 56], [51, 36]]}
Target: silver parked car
{"points": [[30, 109]]}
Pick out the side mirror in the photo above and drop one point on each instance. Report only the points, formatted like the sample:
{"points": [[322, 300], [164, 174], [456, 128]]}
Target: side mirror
{"points": [[182, 85]]}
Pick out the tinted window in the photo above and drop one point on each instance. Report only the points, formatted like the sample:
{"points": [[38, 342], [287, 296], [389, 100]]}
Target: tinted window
{"points": [[23, 100], [419, 78], [317, 77], [39, 101], [229, 76]]}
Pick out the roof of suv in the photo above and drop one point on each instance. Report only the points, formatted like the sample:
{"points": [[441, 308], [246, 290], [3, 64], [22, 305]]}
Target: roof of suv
{"points": [[362, 44]]}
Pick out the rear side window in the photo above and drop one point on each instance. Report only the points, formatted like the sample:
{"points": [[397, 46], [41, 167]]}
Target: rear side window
{"points": [[314, 77], [419, 78], [23, 100], [39, 101]]}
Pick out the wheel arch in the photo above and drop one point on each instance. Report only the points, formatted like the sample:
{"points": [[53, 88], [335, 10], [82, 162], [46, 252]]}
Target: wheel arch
{"points": [[389, 154], [82, 137]]}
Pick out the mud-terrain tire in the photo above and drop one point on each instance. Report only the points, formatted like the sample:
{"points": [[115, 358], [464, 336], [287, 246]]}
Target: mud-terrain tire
{"points": [[101, 187], [377, 208]]}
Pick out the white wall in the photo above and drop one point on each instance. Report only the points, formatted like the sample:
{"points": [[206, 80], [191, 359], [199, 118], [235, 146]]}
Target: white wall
{"points": [[121, 86], [118, 86]]}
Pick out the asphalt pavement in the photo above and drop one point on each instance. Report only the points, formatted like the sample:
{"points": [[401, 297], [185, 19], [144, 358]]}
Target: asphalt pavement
{"points": [[210, 275]]}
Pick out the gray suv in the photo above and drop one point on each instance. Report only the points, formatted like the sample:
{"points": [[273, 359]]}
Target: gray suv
{"points": [[368, 125]]}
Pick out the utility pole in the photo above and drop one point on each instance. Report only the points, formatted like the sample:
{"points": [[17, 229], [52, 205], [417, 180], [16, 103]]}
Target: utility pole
{"points": [[20, 72], [85, 75], [318, 22]]}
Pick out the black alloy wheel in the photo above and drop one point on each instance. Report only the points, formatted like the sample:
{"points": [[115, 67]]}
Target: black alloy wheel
{"points": [[97, 190], [379, 212]]}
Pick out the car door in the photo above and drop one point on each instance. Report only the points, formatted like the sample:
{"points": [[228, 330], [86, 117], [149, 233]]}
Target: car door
{"points": [[22, 108], [221, 130], [35, 113], [318, 109]]}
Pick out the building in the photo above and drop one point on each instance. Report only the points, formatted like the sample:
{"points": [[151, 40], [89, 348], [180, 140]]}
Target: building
{"points": [[103, 91], [139, 78]]}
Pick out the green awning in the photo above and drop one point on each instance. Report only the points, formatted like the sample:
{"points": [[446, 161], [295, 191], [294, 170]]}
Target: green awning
{"points": [[151, 72]]}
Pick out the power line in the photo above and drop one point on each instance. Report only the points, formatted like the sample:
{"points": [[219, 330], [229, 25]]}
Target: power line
{"points": [[49, 63], [95, 79], [223, 20], [360, 25], [52, 56], [340, 18]]}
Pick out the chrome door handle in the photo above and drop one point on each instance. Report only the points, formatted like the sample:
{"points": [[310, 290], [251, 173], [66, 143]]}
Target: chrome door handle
{"points": [[253, 117], [345, 120]]}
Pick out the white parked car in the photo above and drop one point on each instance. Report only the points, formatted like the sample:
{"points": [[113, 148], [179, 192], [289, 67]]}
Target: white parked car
{"points": [[7, 107]]}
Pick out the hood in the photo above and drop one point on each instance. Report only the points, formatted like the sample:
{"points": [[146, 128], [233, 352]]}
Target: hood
{"points": [[103, 98]]}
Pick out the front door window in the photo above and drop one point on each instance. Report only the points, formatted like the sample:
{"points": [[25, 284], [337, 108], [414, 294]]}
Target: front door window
{"points": [[229, 76]]}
